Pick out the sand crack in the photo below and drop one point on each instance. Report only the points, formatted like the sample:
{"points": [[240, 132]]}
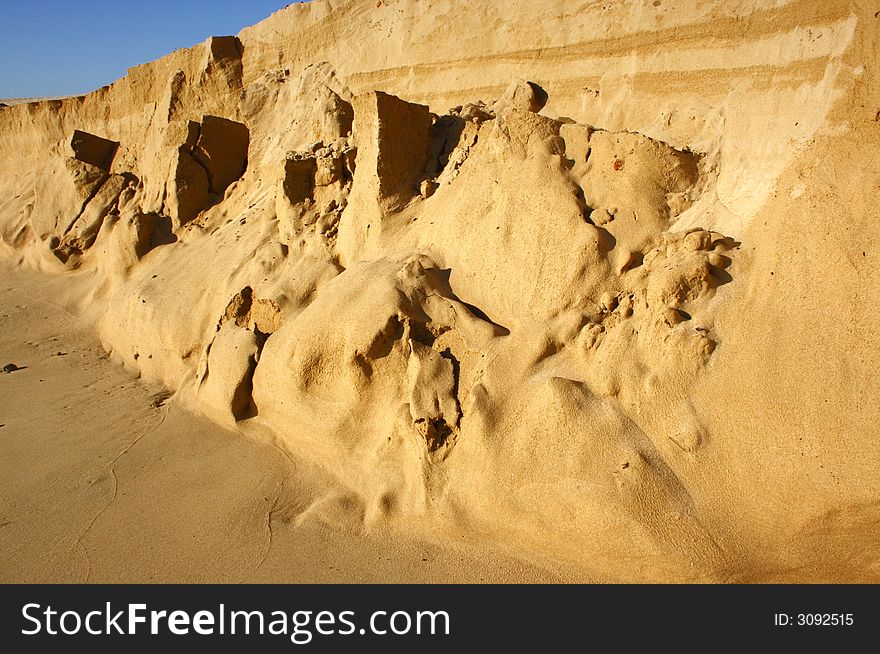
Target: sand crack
{"points": [[108, 468]]}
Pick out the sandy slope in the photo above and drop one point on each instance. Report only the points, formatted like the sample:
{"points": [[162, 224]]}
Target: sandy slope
{"points": [[591, 281], [114, 484]]}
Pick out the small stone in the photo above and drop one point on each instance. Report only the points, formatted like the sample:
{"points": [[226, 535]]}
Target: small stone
{"points": [[671, 317], [427, 188], [626, 306], [718, 260], [608, 302], [589, 335], [474, 112], [523, 95], [601, 216], [10, 367], [688, 440], [698, 240]]}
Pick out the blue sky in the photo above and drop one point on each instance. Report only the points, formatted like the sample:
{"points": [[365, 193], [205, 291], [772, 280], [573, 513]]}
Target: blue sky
{"points": [[67, 47]]}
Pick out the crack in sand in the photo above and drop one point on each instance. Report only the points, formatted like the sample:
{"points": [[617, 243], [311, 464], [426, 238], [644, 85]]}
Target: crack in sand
{"points": [[109, 467], [269, 530], [276, 500]]}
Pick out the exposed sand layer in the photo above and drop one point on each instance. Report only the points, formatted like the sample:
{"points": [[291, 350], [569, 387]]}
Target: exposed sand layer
{"points": [[591, 283]]}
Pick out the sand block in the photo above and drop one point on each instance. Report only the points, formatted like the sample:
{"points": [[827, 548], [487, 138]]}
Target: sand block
{"points": [[226, 383], [87, 178], [188, 189], [92, 149], [222, 149], [222, 48], [392, 138], [298, 179], [82, 232]]}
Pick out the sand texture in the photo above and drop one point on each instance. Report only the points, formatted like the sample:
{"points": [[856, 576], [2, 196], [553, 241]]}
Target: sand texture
{"points": [[416, 290]]}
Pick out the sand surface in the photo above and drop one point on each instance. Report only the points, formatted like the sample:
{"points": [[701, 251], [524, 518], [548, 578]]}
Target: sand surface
{"points": [[13, 101], [570, 292]]}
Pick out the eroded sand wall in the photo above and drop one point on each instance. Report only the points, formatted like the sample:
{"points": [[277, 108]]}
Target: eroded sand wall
{"points": [[618, 312]]}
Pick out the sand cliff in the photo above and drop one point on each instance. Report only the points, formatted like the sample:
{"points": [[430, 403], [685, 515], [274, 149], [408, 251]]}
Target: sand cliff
{"points": [[594, 280]]}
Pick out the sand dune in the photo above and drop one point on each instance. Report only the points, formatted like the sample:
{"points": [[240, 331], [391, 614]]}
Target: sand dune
{"points": [[587, 286]]}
